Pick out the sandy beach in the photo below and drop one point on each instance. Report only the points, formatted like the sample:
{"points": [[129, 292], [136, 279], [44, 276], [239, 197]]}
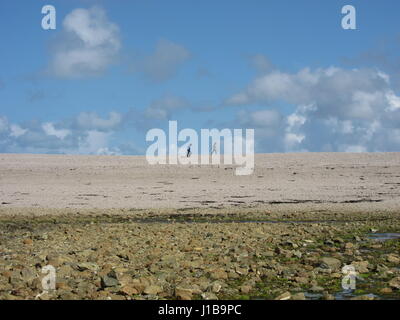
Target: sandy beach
{"points": [[288, 182]]}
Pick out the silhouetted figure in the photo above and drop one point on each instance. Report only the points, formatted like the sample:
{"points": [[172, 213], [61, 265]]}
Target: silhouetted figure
{"points": [[188, 153], [214, 149]]}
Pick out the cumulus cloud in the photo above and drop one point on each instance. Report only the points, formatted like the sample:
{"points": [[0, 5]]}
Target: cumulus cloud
{"points": [[318, 86], [94, 142], [50, 130], [335, 109], [164, 62], [71, 137], [16, 131], [88, 44], [88, 132]]}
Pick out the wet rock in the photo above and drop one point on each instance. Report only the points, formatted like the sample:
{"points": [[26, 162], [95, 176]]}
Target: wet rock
{"points": [[327, 296], [297, 254], [361, 266], [316, 288], [43, 237], [299, 296], [153, 290], [209, 296], [109, 280], [88, 266], [139, 285], [57, 260], [301, 280], [269, 253], [43, 296], [65, 271], [129, 290], [245, 289], [386, 290], [216, 287], [241, 271], [291, 244], [61, 285], [338, 240], [28, 275], [349, 246], [219, 275], [233, 275], [67, 295], [392, 258], [284, 296], [395, 283], [329, 242], [381, 268], [183, 293], [28, 242], [330, 263]]}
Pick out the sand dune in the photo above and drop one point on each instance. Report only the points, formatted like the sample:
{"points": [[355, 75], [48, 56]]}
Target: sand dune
{"points": [[309, 181]]}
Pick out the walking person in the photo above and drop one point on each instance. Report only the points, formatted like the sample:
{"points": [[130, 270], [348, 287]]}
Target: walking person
{"points": [[188, 151], [214, 148]]}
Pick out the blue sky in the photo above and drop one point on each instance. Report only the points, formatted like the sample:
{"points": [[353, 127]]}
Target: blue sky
{"points": [[114, 69]]}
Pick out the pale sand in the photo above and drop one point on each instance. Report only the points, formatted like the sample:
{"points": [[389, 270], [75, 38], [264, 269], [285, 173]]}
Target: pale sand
{"points": [[288, 182]]}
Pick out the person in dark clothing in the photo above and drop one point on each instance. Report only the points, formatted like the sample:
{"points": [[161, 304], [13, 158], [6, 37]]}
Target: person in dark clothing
{"points": [[214, 148], [189, 152]]}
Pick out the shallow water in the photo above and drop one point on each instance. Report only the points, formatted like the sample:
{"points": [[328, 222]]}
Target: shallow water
{"points": [[342, 295], [346, 295], [384, 236]]}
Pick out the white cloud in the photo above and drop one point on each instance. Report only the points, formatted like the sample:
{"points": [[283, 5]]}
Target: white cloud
{"points": [[334, 110], [88, 45], [93, 136], [49, 129], [16, 130], [106, 151], [340, 92], [95, 142], [393, 100], [292, 141]]}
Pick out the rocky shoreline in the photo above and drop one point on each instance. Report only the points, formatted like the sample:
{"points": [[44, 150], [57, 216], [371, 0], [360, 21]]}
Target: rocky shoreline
{"points": [[224, 256]]}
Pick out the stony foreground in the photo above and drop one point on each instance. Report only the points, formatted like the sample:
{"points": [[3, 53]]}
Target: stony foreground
{"points": [[199, 256]]}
